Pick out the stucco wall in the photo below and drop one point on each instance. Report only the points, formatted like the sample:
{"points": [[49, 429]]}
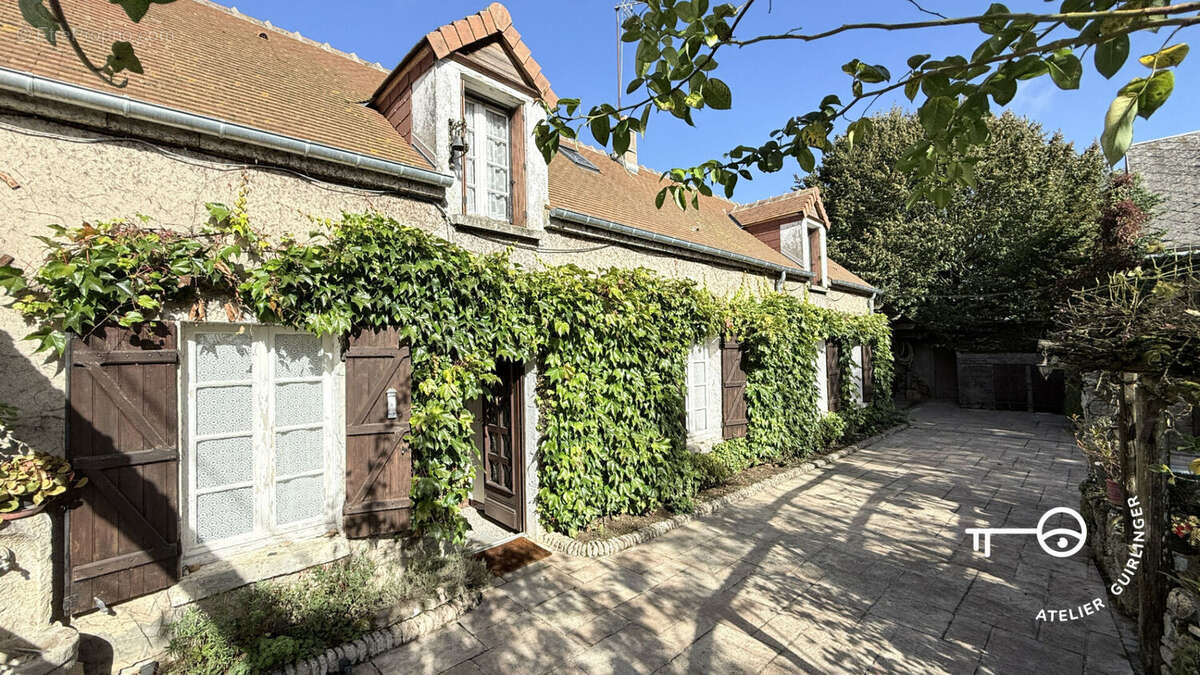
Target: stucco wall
{"points": [[79, 170]]}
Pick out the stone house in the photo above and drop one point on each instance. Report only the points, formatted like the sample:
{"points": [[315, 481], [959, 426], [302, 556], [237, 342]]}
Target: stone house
{"points": [[184, 432], [1170, 168]]}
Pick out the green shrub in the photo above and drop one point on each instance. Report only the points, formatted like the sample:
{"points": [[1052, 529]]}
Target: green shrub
{"points": [[267, 625], [724, 461], [830, 429], [863, 421]]}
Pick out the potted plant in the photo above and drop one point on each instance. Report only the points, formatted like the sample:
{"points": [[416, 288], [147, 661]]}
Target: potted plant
{"points": [[1186, 534], [29, 479], [1097, 439]]}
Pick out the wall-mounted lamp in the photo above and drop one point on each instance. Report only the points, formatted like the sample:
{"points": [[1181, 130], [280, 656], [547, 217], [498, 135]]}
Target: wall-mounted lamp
{"points": [[458, 141], [391, 404]]}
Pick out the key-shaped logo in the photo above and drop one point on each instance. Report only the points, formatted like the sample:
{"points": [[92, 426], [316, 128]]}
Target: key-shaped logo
{"points": [[1056, 542]]}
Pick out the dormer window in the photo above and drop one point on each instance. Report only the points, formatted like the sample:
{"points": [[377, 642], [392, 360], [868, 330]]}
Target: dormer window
{"points": [[816, 254], [487, 165]]}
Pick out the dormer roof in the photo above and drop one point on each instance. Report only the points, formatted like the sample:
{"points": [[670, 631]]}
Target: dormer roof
{"points": [[790, 205], [491, 35]]}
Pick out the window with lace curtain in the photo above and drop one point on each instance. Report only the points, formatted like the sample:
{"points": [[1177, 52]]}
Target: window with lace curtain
{"points": [[259, 435], [487, 170]]}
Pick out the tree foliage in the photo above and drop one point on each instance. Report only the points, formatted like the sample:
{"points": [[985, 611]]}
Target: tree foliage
{"points": [[677, 70], [990, 267]]}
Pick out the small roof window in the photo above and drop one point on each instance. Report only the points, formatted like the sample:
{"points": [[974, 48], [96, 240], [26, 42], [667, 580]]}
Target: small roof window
{"points": [[575, 156]]}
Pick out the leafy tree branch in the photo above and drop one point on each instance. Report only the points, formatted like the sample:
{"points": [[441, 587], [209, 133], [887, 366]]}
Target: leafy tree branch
{"points": [[121, 57], [676, 66]]}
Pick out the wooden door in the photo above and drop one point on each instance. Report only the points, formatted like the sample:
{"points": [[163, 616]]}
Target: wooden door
{"points": [[833, 366], [1011, 386], [868, 374], [945, 375], [503, 451], [123, 535], [1049, 393], [378, 460], [734, 417]]}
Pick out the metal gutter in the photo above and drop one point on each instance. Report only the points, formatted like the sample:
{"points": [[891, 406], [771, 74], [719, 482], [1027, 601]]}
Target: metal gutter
{"points": [[54, 90], [854, 287], [674, 242]]}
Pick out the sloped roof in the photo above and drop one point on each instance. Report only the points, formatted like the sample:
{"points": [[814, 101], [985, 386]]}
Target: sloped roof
{"points": [[205, 59], [494, 20], [839, 273], [806, 201], [620, 196], [1170, 167], [202, 58]]}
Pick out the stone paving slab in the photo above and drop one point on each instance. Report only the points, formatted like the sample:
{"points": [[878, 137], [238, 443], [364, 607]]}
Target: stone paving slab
{"points": [[862, 567]]}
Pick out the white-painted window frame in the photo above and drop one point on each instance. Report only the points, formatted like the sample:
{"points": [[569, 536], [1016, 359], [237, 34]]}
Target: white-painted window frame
{"points": [[699, 416], [856, 361], [265, 532], [476, 165], [822, 378]]}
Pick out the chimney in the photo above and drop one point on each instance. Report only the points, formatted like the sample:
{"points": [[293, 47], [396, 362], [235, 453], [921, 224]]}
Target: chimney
{"points": [[629, 159]]}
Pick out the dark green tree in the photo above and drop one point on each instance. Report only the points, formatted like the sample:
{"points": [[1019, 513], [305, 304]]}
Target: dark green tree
{"points": [[989, 269]]}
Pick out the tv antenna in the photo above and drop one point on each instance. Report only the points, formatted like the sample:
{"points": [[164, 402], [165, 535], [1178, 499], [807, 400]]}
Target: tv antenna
{"points": [[624, 10]]}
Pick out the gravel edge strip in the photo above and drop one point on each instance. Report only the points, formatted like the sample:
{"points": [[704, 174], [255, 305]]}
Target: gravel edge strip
{"points": [[605, 547], [379, 641]]}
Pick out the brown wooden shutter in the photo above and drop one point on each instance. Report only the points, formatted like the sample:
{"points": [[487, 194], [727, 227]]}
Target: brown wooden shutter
{"points": [[734, 420], [833, 368], [378, 461], [517, 163], [814, 256], [123, 539], [868, 374]]}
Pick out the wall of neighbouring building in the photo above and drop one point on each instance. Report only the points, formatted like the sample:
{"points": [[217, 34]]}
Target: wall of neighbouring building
{"points": [[924, 373], [1008, 381]]}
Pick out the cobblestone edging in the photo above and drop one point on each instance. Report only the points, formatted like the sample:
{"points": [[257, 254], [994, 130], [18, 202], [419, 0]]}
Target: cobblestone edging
{"points": [[384, 639], [606, 547]]}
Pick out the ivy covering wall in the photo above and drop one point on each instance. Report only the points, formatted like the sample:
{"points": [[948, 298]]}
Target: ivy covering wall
{"points": [[611, 346], [612, 397], [780, 334]]}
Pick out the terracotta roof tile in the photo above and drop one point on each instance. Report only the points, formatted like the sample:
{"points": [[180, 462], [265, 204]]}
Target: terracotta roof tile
{"points": [[438, 43], [839, 273], [477, 26], [806, 201], [453, 39], [493, 20], [619, 196], [489, 24], [205, 59], [500, 15]]}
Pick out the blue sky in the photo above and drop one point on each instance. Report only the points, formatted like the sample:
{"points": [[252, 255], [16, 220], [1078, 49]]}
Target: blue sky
{"points": [[575, 42]]}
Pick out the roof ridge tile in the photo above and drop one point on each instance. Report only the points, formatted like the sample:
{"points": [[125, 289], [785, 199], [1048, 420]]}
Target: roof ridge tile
{"points": [[293, 34]]}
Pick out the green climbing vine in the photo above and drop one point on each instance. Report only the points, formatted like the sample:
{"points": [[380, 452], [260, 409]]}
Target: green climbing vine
{"points": [[612, 396], [458, 311], [611, 345], [779, 334]]}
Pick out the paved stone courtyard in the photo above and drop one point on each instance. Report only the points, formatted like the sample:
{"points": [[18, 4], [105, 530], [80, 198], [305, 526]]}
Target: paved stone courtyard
{"points": [[864, 567]]}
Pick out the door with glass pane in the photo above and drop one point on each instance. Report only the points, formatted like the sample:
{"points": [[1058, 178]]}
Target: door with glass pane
{"points": [[258, 434], [487, 171], [503, 455], [222, 461], [298, 425]]}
